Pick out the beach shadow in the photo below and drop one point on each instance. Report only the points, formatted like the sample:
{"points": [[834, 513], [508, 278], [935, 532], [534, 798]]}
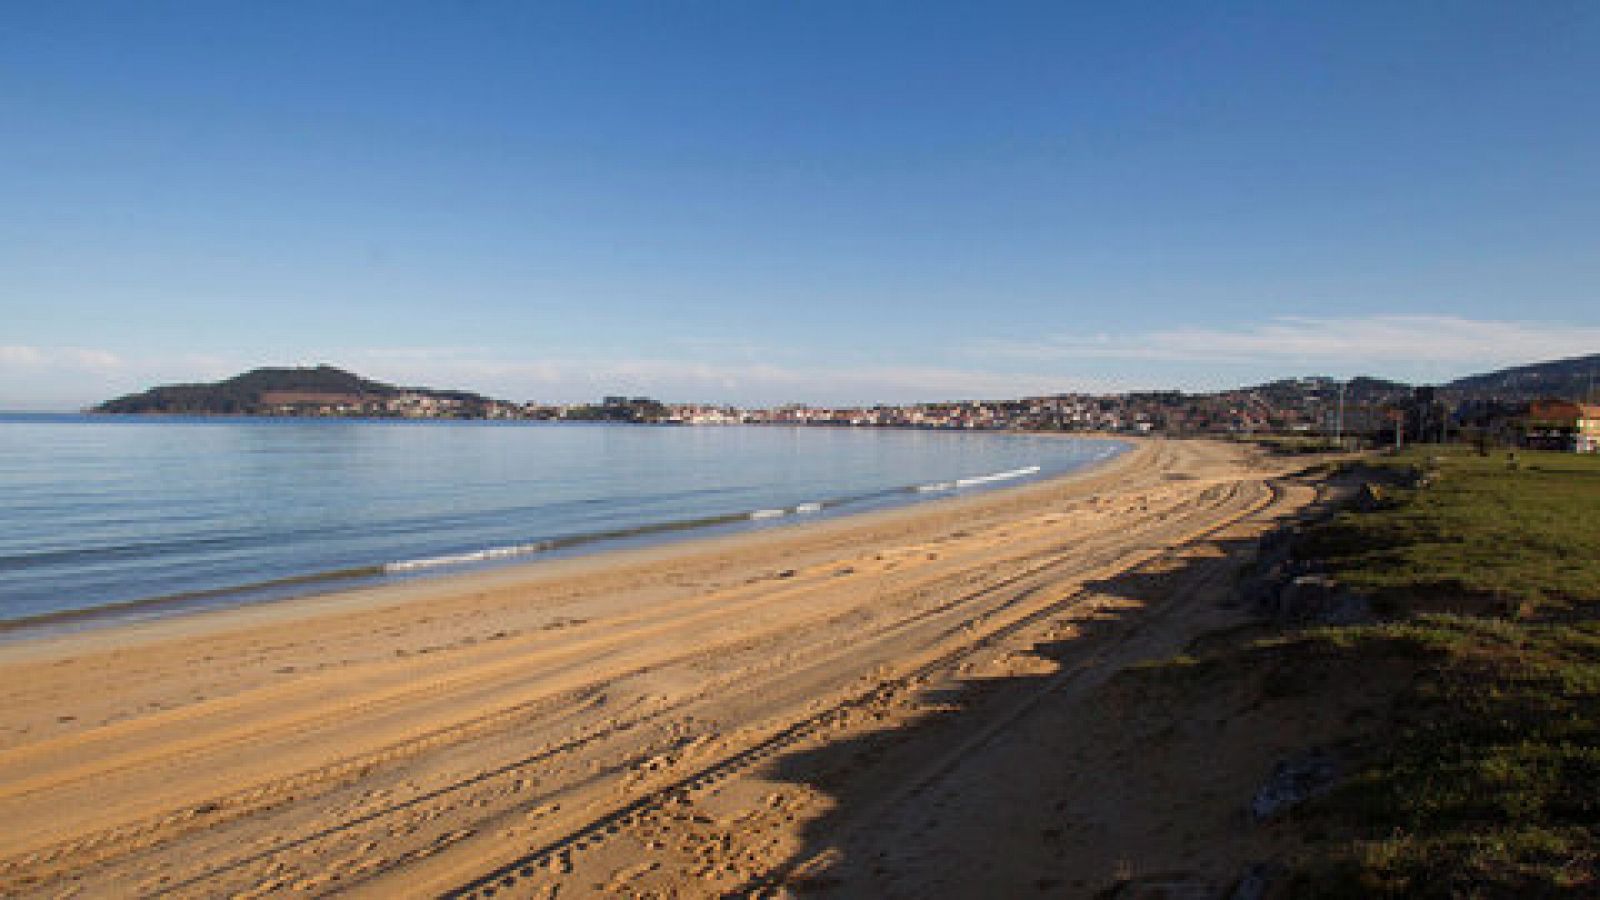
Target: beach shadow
{"points": [[871, 777]]}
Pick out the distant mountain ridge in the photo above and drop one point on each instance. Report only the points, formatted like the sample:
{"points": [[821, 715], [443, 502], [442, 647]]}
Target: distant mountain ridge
{"points": [[250, 392], [1572, 378]]}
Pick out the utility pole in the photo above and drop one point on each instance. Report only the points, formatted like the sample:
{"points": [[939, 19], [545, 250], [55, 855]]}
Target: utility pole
{"points": [[1338, 428]]}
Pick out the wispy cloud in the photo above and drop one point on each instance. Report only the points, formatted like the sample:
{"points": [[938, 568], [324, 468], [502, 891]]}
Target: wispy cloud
{"points": [[1375, 340], [68, 359], [53, 377], [44, 377], [715, 381], [1405, 346]]}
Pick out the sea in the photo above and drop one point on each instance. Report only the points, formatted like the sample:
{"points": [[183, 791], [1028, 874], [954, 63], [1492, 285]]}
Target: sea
{"points": [[112, 518]]}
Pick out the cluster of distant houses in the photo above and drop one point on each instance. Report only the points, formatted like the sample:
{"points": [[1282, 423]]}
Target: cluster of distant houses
{"points": [[1562, 425], [1551, 424], [405, 405]]}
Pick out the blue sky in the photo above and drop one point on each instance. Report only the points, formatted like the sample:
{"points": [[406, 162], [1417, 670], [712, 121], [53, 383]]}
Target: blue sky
{"points": [[760, 202]]}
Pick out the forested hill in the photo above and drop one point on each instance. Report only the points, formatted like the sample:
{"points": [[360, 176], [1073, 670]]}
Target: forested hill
{"points": [[1572, 378], [246, 394]]}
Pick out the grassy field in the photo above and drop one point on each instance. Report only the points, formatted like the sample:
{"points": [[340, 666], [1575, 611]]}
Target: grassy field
{"points": [[1473, 706], [1486, 780], [1488, 535]]}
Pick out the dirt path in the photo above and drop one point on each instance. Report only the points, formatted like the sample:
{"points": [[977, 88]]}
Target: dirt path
{"points": [[745, 715]]}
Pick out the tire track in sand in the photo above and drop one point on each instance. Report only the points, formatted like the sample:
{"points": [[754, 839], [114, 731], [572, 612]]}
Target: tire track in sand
{"points": [[261, 796], [1136, 530], [1021, 583], [509, 874]]}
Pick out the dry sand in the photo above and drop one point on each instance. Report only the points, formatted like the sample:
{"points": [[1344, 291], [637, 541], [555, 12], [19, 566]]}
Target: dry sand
{"points": [[893, 704]]}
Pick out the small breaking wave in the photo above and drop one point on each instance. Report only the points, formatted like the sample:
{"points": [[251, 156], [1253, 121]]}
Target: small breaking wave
{"points": [[976, 480], [456, 559], [998, 476], [512, 551]]}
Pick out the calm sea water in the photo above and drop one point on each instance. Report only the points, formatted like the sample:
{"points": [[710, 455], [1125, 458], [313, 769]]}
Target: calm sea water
{"points": [[140, 516]]}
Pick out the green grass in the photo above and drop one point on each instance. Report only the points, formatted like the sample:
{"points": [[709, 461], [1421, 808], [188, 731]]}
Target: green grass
{"points": [[1488, 783], [1483, 536], [1485, 782], [1470, 714]]}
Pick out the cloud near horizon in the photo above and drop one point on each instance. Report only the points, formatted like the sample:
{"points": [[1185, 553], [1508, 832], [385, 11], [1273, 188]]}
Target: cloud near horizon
{"points": [[68, 359], [1471, 344], [1403, 346], [680, 380], [75, 377]]}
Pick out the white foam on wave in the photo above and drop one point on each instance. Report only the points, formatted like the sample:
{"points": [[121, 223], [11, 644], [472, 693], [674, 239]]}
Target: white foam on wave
{"points": [[457, 559], [998, 476], [513, 550]]}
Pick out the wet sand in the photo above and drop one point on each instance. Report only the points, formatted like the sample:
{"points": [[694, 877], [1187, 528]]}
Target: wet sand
{"points": [[761, 713]]}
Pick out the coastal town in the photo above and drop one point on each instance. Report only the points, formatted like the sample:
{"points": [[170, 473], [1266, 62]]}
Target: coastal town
{"points": [[1307, 407], [1544, 406]]}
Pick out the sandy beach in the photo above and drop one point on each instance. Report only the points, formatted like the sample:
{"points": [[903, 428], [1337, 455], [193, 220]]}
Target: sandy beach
{"points": [[848, 707]]}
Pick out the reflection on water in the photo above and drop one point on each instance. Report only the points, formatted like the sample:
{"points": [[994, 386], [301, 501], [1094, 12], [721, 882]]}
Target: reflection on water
{"points": [[101, 511]]}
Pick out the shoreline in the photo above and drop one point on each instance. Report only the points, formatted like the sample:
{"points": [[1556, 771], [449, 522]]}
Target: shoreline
{"points": [[421, 737], [383, 576]]}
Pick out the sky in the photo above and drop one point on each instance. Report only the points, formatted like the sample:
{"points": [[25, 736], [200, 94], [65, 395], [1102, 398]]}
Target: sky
{"points": [[761, 202]]}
